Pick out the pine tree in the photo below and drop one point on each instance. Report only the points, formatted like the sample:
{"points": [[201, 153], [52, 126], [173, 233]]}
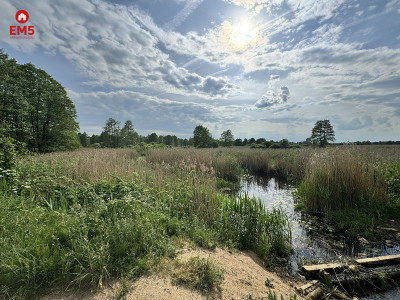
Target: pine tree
{"points": [[322, 133]]}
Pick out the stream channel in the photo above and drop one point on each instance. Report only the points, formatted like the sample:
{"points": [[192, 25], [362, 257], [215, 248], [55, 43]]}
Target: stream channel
{"points": [[307, 244]]}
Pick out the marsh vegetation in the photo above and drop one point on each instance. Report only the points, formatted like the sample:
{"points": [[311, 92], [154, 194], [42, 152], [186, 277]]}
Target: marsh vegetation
{"points": [[81, 218]]}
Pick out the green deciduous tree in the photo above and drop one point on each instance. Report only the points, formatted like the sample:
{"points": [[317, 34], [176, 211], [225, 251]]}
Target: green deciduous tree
{"points": [[152, 138], [227, 138], [35, 108], [202, 137], [84, 139], [322, 133], [238, 142]]}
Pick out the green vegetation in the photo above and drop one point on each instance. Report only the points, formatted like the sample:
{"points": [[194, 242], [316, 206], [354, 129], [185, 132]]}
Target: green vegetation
{"points": [[383, 282], [197, 273], [352, 188], [227, 138], [85, 217], [35, 109], [81, 218], [322, 133], [202, 138], [273, 296]]}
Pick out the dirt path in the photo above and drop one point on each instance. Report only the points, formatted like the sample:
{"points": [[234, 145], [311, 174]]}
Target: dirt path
{"points": [[244, 279]]}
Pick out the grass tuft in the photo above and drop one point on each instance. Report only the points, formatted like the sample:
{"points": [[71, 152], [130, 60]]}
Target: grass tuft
{"points": [[197, 273]]}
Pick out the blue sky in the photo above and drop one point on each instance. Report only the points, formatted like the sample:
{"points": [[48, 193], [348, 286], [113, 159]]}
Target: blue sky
{"points": [[262, 68]]}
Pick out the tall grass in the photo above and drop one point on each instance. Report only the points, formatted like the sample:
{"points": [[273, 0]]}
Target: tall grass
{"points": [[222, 163], [81, 218], [246, 223], [338, 179], [286, 163], [83, 165], [84, 245]]}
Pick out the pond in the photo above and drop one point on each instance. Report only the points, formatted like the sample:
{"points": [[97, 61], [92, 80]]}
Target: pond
{"points": [[309, 246]]}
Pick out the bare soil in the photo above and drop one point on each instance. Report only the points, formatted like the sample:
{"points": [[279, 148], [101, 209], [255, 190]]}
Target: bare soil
{"points": [[244, 275]]}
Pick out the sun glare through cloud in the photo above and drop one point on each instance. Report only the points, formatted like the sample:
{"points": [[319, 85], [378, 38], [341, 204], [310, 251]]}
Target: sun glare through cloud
{"points": [[240, 35]]}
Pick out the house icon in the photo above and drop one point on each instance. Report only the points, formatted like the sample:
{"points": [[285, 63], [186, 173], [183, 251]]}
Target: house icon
{"points": [[21, 17]]}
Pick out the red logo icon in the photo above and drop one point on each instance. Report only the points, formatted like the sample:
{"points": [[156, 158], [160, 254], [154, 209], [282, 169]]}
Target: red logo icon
{"points": [[22, 31], [22, 16]]}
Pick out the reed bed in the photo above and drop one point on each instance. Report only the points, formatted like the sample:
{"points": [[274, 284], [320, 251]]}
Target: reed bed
{"points": [[82, 165], [83, 218], [246, 223], [339, 179]]}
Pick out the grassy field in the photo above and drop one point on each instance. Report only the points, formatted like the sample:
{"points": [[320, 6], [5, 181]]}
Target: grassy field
{"points": [[81, 218]]}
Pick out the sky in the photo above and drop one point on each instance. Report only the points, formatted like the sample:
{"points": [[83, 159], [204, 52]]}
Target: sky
{"points": [[261, 68]]}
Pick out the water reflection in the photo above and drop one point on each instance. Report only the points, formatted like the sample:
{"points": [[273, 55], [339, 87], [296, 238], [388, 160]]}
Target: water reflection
{"points": [[277, 193], [307, 244]]}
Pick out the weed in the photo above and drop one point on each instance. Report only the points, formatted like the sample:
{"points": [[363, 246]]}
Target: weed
{"points": [[383, 281], [268, 283], [198, 274], [123, 290]]}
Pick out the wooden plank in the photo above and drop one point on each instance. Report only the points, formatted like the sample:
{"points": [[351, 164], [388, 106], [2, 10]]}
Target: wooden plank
{"points": [[307, 288], [315, 269], [379, 260]]}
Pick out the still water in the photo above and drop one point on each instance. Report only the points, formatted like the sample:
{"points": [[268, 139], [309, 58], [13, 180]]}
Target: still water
{"points": [[306, 244]]}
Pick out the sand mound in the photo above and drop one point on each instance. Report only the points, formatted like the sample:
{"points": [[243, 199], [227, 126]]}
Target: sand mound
{"points": [[244, 274]]}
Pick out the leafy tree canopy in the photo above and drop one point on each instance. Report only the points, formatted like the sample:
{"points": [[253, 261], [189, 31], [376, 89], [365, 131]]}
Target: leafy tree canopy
{"points": [[35, 108], [202, 137], [227, 138]]}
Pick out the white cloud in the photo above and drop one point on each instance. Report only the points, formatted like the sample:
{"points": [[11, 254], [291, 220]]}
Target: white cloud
{"points": [[149, 112], [276, 94], [188, 9], [256, 6], [111, 46]]}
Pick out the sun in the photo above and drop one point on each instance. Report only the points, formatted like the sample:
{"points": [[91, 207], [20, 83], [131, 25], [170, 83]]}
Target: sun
{"points": [[241, 35]]}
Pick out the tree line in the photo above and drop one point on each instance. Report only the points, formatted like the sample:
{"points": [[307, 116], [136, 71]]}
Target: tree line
{"points": [[35, 109], [115, 136]]}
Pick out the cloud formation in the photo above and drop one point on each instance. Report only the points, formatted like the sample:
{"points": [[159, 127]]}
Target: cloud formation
{"points": [[112, 47], [188, 9], [270, 98], [332, 59], [275, 95]]}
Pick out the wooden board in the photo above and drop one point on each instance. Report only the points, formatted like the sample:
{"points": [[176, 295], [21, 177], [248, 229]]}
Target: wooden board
{"points": [[314, 270], [379, 261], [307, 288]]}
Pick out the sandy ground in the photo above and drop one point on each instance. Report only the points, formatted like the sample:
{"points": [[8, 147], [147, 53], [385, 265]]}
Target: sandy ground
{"points": [[244, 275]]}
